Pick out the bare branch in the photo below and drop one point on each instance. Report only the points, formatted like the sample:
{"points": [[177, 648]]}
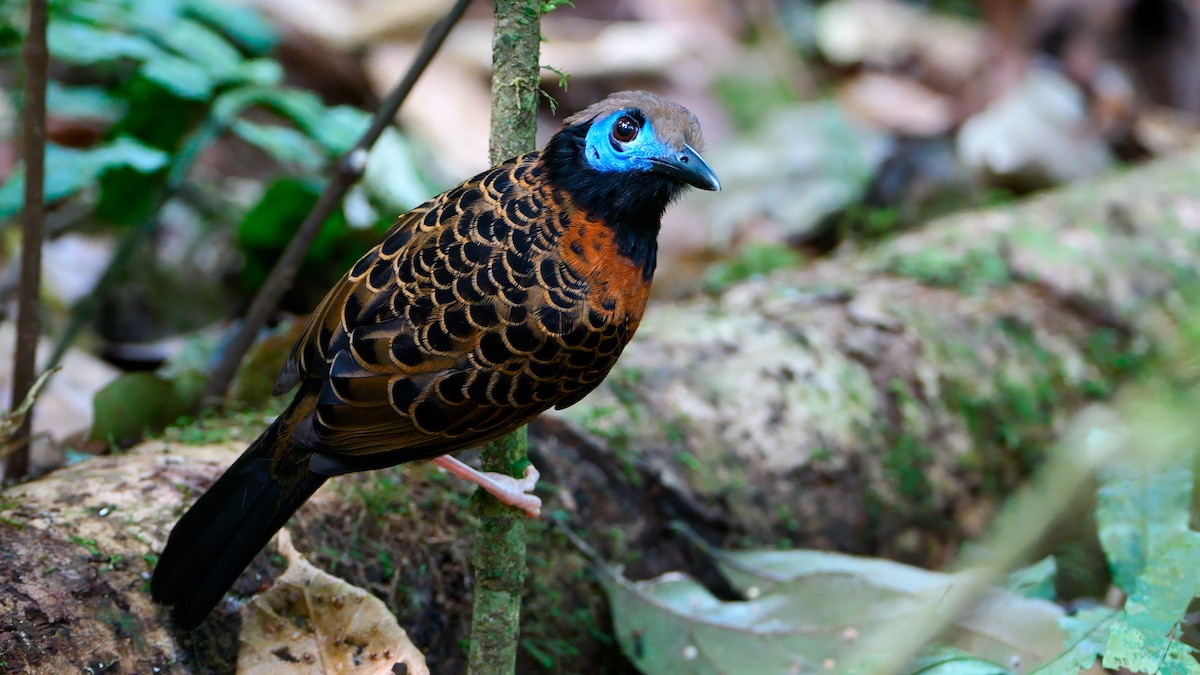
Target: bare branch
{"points": [[37, 58]]}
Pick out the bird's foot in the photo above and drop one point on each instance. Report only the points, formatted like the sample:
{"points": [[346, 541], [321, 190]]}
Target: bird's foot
{"points": [[517, 492]]}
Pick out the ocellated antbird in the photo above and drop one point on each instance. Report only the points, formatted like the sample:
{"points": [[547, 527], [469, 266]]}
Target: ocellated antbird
{"points": [[486, 305]]}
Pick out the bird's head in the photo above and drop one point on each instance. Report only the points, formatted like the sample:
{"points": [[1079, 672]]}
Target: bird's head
{"points": [[624, 159], [639, 132]]}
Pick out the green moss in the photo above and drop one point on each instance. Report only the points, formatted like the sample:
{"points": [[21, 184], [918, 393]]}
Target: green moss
{"points": [[123, 623], [1117, 360], [906, 460], [564, 607], [752, 260], [1010, 411], [689, 461], [624, 385], [1011, 428], [89, 544], [905, 464], [116, 561], [14, 523], [968, 271], [788, 519], [614, 424], [383, 493], [821, 454], [241, 426], [676, 429]]}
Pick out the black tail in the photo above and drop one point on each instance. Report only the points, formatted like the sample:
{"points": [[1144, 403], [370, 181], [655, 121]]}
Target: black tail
{"points": [[214, 542]]}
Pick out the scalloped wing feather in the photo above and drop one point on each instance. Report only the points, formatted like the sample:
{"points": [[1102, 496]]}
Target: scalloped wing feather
{"points": [[480, 309]]}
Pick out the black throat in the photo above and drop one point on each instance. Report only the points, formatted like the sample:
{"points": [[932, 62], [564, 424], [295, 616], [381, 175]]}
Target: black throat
{"points": [[631, 203]]}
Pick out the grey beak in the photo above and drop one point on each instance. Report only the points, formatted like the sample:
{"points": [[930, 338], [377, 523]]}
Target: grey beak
{"points": [[689, 167]]}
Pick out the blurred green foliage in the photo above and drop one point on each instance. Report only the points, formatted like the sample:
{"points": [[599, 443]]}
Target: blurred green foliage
{"points": [[158, 72], [133, 403], [748, 100], [160, 86]]}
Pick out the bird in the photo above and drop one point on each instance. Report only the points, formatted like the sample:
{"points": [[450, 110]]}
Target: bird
{"points": [[488, 304]]}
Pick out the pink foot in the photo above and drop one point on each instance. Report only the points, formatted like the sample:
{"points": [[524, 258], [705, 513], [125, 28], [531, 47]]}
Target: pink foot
{"points": [[516, 492]]}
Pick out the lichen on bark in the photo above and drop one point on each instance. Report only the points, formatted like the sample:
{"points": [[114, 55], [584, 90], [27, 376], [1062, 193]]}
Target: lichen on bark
{"points": [[498, 560]]}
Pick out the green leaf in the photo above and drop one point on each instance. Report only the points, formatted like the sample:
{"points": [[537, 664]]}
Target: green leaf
{"points": [[1087, 635], [179, 76], [81, 44], [392, 176], [135, 404], [810, 608], [1139, 509], [83, 102], [204, 48], [335, 129], [339, 129], [262, 72], [10, 35], [271, 222], [1035, 581], [283, 143], [88, 11], [147, 17], [550, 5], [129, 153], [947, 661], [1145, 639], [191, 61], [244, 25], [69, 170]]}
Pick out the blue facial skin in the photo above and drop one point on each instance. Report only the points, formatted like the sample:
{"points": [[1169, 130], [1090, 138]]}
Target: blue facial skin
{"points": [[632, 156]]}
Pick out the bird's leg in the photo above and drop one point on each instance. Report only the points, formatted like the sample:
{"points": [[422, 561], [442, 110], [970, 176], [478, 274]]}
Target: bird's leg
{"points": [[512, 491]]}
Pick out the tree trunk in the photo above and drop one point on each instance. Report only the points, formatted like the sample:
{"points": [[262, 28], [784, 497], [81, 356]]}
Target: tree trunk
{"points": [[880, 402]]}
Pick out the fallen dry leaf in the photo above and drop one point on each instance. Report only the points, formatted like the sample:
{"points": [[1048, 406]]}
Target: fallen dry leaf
{"points": [[887, 34], [313, 622], [1037, 134], [897, 104], [352, 24], [1164, 131]]}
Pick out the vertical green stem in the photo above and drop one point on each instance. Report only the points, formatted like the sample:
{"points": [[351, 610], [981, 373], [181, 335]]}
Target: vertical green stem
{"points": [[499, 554], [516, 40]]}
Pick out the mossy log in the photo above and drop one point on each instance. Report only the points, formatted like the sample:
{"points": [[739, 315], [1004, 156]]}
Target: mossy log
{"points": [[883, 402], [886, 400]]}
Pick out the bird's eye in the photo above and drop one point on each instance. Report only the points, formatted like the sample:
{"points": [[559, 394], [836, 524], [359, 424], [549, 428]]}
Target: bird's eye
{"points": [[626, 129]]}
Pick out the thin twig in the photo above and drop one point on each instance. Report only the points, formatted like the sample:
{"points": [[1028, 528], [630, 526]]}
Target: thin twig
{"points": [[498, 558], [13, 419], [347, 172], [37, 58]]}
